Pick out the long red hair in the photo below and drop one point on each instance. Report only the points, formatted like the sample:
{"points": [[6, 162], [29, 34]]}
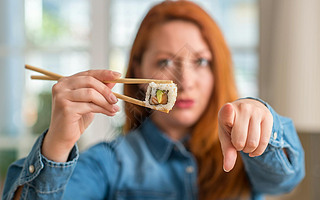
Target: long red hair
{"points": [[213, 182]]}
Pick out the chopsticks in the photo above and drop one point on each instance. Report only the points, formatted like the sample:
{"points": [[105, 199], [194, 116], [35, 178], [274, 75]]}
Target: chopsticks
{"points": [[45, 72], [120, 80], [49, 78], [137, 81], [54, 77]]}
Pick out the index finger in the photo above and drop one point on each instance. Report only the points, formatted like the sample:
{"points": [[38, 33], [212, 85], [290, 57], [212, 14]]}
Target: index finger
{"points": [[228, 150], [100, 74]]}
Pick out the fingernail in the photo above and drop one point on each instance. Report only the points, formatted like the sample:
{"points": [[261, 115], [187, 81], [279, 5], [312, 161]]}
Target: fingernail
{"points": [[113, 98], [224, 169], [116, 73]]}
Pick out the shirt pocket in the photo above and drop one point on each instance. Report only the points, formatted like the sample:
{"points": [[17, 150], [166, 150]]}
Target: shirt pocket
{"points": [[145, 195]]}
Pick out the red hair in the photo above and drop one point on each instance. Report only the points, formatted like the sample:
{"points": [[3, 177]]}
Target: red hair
{"points": [[213, 182]]}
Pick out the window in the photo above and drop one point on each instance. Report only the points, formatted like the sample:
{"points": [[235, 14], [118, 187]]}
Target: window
{"points": [[57, 39]]}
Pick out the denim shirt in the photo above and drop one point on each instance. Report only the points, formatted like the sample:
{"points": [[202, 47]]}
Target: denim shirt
{"points": [[146, 164]]}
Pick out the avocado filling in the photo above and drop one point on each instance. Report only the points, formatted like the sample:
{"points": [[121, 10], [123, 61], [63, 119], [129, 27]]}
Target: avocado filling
{"points": [[160, 98], [159, 95]]}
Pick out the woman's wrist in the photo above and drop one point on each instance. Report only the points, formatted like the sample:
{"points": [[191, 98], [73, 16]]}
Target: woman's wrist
{"points": [[55, 150]]}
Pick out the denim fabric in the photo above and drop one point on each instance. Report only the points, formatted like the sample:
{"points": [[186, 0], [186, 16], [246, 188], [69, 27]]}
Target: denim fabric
{"points": [[146, 164]]}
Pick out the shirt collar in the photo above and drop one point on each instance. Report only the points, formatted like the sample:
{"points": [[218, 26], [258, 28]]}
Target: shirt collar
{"points": [[159, 143]]}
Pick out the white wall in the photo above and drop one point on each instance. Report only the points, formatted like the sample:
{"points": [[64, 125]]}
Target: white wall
{"points": [[289, 77], [290, 60]]}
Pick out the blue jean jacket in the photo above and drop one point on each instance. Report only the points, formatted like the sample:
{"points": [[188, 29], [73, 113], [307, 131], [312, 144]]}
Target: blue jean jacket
{"points": [[146, 164]]}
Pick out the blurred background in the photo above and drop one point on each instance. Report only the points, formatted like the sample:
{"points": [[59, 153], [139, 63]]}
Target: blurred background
{"points": [[275, 46]]}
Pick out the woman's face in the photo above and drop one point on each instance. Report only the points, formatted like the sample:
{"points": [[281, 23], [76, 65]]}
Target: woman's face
{"points": [[178, 52]]}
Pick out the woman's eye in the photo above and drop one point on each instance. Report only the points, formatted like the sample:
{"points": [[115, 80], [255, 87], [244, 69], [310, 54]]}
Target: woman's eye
{"points": [[165, 63], [202, 62]]}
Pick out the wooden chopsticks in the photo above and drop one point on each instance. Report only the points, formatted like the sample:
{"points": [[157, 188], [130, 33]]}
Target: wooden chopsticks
{"points": [[45, 72], [137, 81], [54, 77], [39, 77], [120, 80]]}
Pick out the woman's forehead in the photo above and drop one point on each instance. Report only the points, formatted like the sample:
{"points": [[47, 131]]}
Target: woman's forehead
{"points": [[177, 35]]}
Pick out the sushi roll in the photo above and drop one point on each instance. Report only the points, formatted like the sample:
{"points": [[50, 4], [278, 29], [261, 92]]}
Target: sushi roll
{"points": [[161, 96]]}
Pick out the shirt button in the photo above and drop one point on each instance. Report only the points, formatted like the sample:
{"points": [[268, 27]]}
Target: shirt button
{"points": [[275, 135], [189, 169], [31, 169]]}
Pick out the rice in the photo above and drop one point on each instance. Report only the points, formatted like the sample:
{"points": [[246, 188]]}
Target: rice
{"points": [[171, 91]]}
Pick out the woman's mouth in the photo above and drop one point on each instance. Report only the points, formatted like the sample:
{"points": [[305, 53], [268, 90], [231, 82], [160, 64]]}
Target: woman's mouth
{"points": [[184, 103]]}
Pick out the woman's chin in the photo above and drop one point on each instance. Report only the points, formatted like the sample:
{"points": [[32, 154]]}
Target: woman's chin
{"points": [[184, 118], [177, 117]]}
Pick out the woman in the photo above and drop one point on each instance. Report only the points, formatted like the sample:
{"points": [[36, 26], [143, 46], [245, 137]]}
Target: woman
{"points": [[164, 156]]}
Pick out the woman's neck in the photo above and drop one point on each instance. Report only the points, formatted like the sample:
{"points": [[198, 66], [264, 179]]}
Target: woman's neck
{"points": [[172, 130]]}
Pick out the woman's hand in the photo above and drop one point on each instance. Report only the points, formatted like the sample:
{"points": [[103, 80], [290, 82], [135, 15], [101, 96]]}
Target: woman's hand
{"points": [[244, 125], [75, 99]]}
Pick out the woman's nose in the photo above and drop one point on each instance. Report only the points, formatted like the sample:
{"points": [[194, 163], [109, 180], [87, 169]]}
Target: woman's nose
{"points": [[185, 76]]}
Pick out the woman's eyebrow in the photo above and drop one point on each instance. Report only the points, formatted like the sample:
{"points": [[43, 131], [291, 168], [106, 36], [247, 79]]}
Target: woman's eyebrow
{"points": [[203, 51], [176, 54], [166, 53]]}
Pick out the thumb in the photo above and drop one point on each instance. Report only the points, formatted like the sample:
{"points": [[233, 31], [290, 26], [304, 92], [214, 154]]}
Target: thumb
{"points": [[226, 118]]}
